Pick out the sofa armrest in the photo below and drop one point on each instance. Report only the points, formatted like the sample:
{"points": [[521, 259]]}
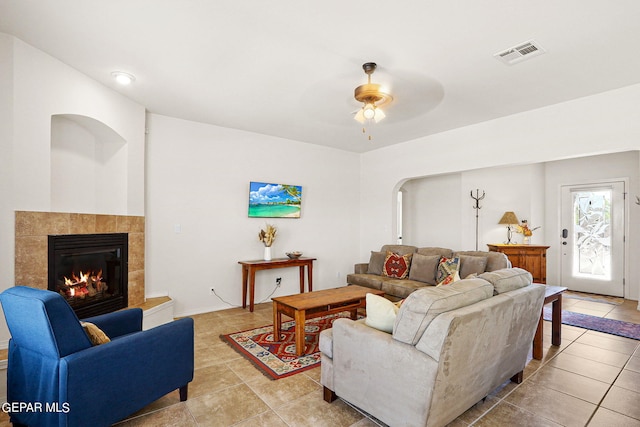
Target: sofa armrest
{"points": [[118, 323], [379, 374], [361, 268]]}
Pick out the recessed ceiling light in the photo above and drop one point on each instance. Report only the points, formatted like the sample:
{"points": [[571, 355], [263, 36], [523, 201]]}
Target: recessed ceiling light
{"points": [[123, 78]]}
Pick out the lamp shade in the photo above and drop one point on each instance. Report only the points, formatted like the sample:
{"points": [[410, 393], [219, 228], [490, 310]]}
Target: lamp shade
{"points": [[509, 218]]}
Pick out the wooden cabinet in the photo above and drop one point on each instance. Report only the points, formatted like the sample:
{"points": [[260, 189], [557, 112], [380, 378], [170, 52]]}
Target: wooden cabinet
{"points": [[532, 258]]}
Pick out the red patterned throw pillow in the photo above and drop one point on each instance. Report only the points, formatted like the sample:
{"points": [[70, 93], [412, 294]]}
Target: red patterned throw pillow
{"points": [[396, 266]]}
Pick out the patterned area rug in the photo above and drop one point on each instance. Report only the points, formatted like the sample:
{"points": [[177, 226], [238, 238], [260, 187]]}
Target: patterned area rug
{"points": [[278, 359], [600, 324]]}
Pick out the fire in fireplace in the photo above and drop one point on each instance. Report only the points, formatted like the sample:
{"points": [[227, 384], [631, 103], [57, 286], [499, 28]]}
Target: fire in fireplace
{"points": [[90, 271]]}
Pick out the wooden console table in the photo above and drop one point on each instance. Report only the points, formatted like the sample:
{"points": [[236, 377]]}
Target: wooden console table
{"points": [[249, 269], [532, 258]]}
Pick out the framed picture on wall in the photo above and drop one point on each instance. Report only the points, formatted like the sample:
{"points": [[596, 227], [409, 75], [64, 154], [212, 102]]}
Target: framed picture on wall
{"points": [[267, 200]]}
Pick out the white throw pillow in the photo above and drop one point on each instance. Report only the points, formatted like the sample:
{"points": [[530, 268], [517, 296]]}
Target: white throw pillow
{"points": [[381, 313]]}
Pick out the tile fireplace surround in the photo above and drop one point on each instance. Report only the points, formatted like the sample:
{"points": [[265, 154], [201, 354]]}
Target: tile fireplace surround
{"points": [[32, 229]]}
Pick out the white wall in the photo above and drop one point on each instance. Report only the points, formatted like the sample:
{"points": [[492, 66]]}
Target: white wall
{"points": [[439, 209], [623, 165], [432, 212], [6, 171], [198, 180], [33, 88], [515, 188], [603, 123], [531, 191], [44, 87]]}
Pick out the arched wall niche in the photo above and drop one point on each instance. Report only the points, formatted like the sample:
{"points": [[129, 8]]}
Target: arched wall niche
{"points": [[88, 166]]}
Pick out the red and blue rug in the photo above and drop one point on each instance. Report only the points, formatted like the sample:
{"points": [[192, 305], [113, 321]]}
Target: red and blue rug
{"points": [[278, 358], [595, 323]]}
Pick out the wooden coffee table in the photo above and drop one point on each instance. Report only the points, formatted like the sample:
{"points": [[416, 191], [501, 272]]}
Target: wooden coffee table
{"points": [[315, 304]]}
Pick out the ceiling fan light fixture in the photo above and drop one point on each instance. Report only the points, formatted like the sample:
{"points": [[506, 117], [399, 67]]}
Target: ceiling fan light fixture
{"points": [[369, 111], [372, 96], [379, 115]]}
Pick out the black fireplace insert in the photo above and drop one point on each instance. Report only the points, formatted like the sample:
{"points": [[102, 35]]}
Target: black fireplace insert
{"points": [[90, 271]]}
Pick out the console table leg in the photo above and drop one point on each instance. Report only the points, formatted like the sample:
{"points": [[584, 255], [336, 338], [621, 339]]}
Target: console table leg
{"points": [[252, 288], [301, 279], [244, 286], [310, 275]]}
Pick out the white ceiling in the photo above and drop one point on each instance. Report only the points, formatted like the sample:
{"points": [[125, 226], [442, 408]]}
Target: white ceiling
{"points": [[288, 68]]}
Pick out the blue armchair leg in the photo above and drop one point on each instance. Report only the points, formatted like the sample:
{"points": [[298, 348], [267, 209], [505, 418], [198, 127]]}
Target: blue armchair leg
{"points": [[183, 392]]}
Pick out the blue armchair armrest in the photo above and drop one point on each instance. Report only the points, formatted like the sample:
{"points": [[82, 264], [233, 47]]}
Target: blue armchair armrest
{"points": [[118, 323], [155, 361]]}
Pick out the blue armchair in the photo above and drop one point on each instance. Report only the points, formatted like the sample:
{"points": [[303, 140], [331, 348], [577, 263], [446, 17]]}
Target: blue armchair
{"points": [[56, 377]]}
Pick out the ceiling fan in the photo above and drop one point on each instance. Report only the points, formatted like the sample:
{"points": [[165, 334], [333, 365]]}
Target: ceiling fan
{"points": [[373, 97]]}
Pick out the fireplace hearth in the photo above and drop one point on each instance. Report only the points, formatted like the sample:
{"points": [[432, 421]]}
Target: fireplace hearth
{"points": [[90, 271]]}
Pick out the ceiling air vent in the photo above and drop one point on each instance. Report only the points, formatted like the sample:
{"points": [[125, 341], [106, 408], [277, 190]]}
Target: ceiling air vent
{"points": [[520, 52]]}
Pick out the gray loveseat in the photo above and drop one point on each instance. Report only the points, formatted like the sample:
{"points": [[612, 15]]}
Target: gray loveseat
{"points": [[423, 268], [450, 347]]}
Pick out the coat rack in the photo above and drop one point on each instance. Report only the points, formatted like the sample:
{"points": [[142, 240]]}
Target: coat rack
{"points": [[477, 207]]}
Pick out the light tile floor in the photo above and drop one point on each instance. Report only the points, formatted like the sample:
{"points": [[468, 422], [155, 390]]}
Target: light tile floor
{"points": [[591, 379]]}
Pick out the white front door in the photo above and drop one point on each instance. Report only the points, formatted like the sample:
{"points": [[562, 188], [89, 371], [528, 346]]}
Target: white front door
{"points": [[592, 237]]}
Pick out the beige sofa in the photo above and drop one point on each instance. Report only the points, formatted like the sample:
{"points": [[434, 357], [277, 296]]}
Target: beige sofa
{"points": [[423, 268], [450, 347]]}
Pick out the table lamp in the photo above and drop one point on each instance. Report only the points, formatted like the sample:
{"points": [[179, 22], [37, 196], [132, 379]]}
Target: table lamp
{"points": [[510, 219]]}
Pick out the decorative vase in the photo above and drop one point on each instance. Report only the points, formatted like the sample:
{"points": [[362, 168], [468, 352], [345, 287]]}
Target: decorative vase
{"points": [[267, 253], [526, 240]]}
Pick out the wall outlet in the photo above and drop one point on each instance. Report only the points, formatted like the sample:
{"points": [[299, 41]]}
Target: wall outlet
{"points": [[212, 291], [278, 281]]}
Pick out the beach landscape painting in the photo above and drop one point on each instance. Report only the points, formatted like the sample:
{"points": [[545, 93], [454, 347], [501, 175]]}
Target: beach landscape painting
{"points": [[268, 200]]}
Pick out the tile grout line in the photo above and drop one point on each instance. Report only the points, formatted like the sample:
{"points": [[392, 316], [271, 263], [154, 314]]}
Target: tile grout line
{"points": [[609, 389]]}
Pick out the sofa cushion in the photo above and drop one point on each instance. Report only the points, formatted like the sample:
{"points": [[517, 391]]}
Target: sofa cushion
{"points": [[400, 288], [472, 265], [507, 279], [376, 262], [495, 260], [447, 253], [423, 305], [381, 313], [398, 249], [423, 268], [448, 270], [396, 266], [372, 281]]}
